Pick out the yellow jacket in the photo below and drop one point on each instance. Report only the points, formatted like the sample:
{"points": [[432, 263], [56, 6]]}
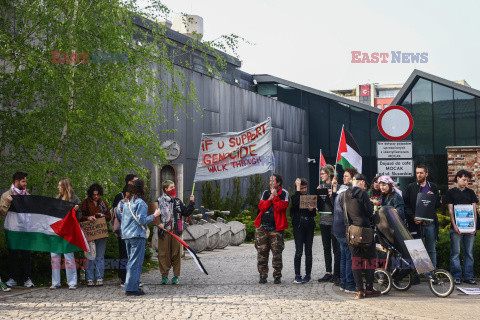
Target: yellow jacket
{"points": [[4, 204]]}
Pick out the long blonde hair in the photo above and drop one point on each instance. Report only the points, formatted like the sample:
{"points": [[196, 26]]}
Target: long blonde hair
{"points": [[67, 190]]}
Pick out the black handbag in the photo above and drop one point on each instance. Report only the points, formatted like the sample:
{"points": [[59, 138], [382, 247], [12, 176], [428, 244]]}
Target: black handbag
{"points": [[357, 236]]}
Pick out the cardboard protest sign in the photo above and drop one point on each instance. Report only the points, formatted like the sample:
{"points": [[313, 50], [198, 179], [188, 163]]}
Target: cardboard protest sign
{"points": [[425, 207], [325, 205], [94, 230], [464, 218], [419, 255], [306, 201], [235, 154], [152, 206]]}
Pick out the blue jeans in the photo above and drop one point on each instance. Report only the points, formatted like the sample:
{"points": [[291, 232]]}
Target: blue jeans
{"points": [[430, 240], [70, 268], [96, 267], [135, 252], [348, 282], [467, 240]]}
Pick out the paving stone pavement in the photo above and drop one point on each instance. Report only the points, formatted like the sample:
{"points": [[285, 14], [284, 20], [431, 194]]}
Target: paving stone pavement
{"points": [[231, 291]]}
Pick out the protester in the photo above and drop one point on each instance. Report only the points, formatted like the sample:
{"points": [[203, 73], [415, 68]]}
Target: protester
{"points": [[390, 196], [122, 249], [270, 224], [347, 281], [418, 228], [18, 187], [92, 208], [133, 216], [359, 210], [66, 193], [459, 195], [375, 193], [326, 220], [303, 231], [172, 209]]}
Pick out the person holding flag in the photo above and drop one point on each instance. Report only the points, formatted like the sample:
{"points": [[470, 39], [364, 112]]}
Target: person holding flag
{"points": [[18, 187], [66, 193], [270, 223]]}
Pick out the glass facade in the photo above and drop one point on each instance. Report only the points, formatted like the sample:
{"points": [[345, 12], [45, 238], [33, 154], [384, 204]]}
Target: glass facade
{"points": [[442, 117]]}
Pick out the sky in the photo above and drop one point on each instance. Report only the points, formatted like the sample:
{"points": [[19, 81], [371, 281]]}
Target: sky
{"points": [[311, 42]]}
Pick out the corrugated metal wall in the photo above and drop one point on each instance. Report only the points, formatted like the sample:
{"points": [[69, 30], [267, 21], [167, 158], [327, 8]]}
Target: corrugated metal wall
{"points": [[225, 107]]}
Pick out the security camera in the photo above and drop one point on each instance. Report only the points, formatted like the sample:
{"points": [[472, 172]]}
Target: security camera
{"points": [[311, 160]]}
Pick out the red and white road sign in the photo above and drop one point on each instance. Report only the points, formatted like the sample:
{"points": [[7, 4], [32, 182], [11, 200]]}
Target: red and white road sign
{"points": [[395, 123]]}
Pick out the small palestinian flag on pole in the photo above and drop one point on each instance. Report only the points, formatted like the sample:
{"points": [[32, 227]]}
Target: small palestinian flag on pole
{"points": [[192, 252], [36, 223], [321, 164], [348, 155]]}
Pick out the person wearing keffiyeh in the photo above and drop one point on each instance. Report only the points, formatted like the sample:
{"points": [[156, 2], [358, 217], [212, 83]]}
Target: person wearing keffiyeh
{"points": [[391, 196], [18, 187]]}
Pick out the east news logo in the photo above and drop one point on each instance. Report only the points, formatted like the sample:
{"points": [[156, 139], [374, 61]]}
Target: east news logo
{"points": [[392, 57]]}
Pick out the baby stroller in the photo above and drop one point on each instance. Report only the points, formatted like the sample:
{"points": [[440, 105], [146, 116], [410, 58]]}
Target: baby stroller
{"points": [[397, 264]]}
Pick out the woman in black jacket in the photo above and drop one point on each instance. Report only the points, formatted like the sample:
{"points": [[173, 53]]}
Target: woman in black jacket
{"points": [[303, 231], [359, 210]]}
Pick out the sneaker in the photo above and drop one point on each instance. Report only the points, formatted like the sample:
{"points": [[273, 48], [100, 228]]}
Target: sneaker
{"points": [[372, 293], [262, 280], [90, 283], [72, 287], [306, 279], [470, 281], [175, 280], [99, 283], [11, 283], [52, 287], [4, 287], [122, 284], [277, 280], [341, 289], [140, 292], [359, 295], [350, 291], [458, 281], [28, 283], [337, 282], [164, 280], [140, 284], [298, 279], [327, 277]]}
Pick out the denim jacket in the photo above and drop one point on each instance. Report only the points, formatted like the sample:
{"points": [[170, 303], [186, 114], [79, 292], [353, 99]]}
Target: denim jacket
{"points": [[130, 227]]}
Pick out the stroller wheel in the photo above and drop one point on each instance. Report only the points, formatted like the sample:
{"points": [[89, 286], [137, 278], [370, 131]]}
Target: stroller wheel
{"points": [[402, 284], [382, 281], [441, 284]]}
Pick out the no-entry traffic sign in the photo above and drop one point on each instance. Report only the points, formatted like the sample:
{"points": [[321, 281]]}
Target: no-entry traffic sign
{"points": [[395, 123]]}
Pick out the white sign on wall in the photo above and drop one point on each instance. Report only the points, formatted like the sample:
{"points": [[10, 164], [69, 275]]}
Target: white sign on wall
{"points": [[394, 150], [395, 168]]}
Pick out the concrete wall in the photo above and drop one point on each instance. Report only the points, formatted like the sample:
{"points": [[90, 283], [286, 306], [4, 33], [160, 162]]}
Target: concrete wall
{"points": [[225, 107]]}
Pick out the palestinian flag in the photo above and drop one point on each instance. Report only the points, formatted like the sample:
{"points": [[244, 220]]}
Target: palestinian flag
{"points": [[348, 155], [192, 252], [37, 223]]}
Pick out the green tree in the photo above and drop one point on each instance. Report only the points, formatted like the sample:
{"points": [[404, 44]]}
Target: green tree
{"points": [[257, 184], [84, 89]]}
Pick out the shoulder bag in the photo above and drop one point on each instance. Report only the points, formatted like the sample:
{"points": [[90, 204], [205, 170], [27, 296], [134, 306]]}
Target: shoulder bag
{"points": [[357, 236]]}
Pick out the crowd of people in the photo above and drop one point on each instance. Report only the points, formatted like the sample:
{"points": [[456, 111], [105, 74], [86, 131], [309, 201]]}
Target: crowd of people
{"points": [[352, 204], [129, 220], [339, 206]]}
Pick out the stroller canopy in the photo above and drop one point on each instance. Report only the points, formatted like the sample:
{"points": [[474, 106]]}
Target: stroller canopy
{"points": [[391, 227]]}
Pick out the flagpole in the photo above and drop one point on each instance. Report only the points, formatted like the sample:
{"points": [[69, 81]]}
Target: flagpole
{"points": [[193, 188], [338, 151], [320, 168]]}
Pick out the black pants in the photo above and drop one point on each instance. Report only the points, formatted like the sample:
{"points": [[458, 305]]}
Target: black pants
{"points": [[303, 234], [26, 264], [329, 241], [122, 251], [369, 264]]}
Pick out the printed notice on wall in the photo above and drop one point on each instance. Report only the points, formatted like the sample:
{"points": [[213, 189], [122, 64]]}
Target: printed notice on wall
{"points": [[394, 150], [395, 168]]}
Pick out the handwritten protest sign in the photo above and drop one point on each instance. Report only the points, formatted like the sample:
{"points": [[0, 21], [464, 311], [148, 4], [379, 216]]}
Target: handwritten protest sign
{"points": [[306, 201], [94, 230], [235, 154]]}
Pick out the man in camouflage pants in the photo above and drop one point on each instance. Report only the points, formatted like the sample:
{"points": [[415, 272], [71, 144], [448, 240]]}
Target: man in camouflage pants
{"points": [[270, 223]]}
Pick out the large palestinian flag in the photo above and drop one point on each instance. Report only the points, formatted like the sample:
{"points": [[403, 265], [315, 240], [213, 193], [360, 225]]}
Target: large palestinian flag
{"points": [[37, 223], [348, 155]]}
